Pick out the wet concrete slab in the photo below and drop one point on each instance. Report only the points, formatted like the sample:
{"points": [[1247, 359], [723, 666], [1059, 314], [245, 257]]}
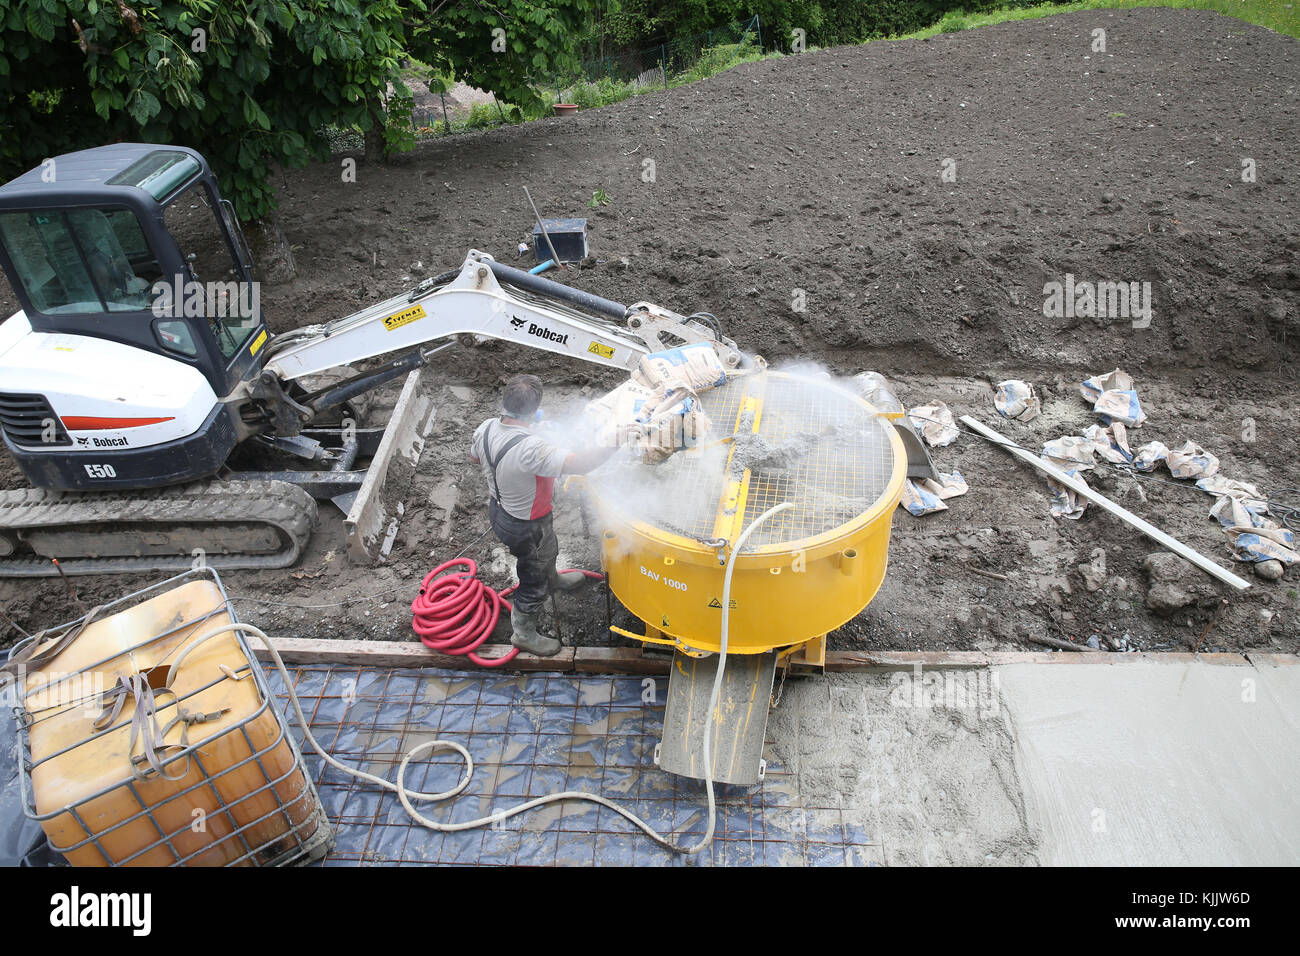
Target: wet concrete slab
{"points": [[1153, 763]]}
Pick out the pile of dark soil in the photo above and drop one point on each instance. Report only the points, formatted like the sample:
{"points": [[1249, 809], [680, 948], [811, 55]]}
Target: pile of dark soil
{"points": [[803, 202]]}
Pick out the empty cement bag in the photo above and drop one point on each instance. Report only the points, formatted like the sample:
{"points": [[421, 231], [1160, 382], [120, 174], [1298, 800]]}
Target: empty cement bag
{"points": [[1017, 400], [1114, 398]]}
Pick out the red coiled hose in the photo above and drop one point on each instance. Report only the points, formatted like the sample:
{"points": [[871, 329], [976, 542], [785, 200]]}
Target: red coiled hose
{"points": [[456, 613]]}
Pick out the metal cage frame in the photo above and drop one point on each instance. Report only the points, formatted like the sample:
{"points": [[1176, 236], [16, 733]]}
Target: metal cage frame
{"points": [[306, 844]]}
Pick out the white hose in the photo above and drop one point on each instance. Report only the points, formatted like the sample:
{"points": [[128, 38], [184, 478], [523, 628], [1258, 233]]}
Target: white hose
{"points": [[406, 796], [722, 665]]}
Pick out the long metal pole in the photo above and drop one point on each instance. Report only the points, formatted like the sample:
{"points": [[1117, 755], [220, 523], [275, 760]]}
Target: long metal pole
{"points": [[538, 216]]}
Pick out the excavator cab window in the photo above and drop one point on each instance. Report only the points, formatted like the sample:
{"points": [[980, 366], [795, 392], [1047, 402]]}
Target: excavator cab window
{"points": [[81, 260], [231, 305]]}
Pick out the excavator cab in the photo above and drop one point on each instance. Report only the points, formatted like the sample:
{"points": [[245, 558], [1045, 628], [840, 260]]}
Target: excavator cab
{"points": [[132, 243]]}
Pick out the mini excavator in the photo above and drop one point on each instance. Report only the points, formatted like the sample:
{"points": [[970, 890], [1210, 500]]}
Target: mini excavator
{"points": [[141, 361]]}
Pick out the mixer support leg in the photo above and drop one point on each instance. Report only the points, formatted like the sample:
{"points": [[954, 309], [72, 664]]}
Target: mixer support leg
{"points": [[810, 658], [740, 722]]}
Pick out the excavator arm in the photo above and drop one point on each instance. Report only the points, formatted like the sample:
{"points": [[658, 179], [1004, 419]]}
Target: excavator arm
{"points": [[491, 300], [484, 299]]}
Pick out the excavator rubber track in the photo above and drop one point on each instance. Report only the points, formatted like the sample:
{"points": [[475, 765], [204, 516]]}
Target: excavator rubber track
{"points": [[246, 525]]}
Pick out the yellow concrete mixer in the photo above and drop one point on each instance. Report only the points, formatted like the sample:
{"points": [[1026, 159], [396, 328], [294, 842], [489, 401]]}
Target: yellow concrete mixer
{"points": [[668, 530]]}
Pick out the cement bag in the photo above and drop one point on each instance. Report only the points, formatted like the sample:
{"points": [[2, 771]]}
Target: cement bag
{"points": [[696, 367], [1263, 544], [1191, 461], [935, 423], [1150, 455], [1111, 442], [1072, 451], [670, 421], [1238, 504], [611, 414], [1017, 400], [1066, 502], [923, 496], [1114, 398]]}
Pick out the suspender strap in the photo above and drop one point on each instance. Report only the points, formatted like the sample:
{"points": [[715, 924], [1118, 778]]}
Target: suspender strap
{"points": [[494, 460]]}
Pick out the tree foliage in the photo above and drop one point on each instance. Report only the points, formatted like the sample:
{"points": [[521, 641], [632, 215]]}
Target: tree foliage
{"points": [[251, 84]]}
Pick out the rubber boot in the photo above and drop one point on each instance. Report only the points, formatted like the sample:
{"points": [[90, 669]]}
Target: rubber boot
{"points": [[567, 580], [526, 638]]}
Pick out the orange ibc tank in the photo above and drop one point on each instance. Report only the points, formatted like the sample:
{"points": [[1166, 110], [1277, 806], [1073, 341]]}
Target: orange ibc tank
{"points": [[150, 749]]}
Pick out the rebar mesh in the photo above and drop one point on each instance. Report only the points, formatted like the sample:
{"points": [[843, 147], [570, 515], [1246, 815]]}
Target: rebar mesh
{"points": [[530, 735]]}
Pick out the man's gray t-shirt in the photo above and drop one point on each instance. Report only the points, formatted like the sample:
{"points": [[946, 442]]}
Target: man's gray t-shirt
{"points": [[525, 475]]}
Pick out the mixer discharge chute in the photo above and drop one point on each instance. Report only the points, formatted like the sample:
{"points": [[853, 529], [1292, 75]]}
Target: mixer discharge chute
{"points": [[669, 530]]}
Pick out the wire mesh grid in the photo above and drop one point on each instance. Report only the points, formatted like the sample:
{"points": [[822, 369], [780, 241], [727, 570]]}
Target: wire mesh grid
{"points": [[834, 462], [531, 735], [844, 472]]}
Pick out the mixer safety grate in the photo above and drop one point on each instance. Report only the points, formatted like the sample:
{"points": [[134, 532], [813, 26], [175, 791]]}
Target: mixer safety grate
{"points": [[816, 446]]}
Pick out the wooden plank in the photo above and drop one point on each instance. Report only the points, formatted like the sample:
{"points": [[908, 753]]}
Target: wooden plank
{"points": [[404, 654], [841, 661], [632, 661], [618, 660], [1061, 645], [1151, 531], [1273, 660]]}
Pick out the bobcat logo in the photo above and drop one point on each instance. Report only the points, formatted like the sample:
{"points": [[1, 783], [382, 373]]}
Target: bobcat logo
{"points": [[517, 323]]}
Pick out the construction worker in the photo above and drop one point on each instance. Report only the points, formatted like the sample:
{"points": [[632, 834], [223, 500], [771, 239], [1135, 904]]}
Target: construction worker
{"points": [[521, 467]]}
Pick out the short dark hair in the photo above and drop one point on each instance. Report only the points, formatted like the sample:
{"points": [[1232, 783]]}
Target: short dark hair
{"points": [[523, 395]]}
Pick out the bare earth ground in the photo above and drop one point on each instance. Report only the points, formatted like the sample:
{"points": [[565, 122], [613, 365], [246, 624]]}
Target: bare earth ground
{"points": [[821, 173]]}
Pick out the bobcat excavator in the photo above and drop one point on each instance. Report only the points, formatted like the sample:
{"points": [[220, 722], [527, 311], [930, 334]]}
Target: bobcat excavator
{"points": [[141, 362]]}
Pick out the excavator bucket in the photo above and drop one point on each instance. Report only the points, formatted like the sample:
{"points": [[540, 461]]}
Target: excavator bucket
{"points": [[739, 720], [371, 526]]}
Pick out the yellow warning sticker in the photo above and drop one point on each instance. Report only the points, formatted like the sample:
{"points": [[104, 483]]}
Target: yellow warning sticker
{"points": [[604, 351], [405, 317], [257, 343]]}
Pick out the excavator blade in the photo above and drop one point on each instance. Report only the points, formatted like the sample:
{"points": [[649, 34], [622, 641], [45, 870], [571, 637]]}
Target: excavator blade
{"points": [[371, 526]]}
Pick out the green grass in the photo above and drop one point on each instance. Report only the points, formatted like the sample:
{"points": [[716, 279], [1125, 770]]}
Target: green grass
{"points": [[1282, 16]]}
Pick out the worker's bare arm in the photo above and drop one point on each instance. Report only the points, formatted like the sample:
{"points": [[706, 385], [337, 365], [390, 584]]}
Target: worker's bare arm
{"points": [[581, 462]]}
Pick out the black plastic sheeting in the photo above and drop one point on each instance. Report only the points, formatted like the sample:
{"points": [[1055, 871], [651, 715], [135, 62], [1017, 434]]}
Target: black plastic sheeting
{"points": [[22, 842]]}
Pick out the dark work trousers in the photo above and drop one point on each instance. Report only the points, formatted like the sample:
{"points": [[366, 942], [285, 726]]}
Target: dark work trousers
{"points": [[535, 547]]}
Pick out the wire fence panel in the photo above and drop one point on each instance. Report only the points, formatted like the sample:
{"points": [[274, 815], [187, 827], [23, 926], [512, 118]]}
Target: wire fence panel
{"points": [[682, 59]]}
